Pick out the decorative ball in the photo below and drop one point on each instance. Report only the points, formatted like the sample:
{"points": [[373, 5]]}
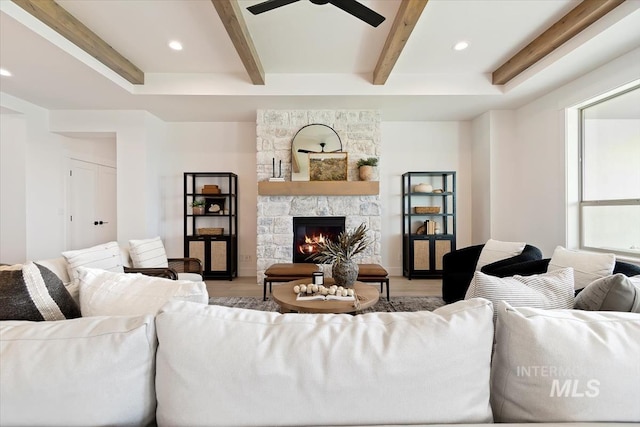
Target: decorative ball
{"points": [[303, 288], [296, 289]]}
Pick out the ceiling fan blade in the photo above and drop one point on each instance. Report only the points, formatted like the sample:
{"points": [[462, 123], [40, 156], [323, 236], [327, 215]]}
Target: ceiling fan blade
{"points": [[360, 11], [268, 5], [302, 150]]}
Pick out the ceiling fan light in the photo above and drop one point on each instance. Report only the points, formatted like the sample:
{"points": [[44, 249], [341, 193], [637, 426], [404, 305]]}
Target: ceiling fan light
{"points": [[461, 45], [175, 45], [5, 73]]}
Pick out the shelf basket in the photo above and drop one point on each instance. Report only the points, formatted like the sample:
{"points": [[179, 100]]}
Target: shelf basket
{"points": [[427, 209], [211, 231]]}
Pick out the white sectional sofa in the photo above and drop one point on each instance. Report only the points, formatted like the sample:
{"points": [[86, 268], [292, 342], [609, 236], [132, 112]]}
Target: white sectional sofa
{"points": [[151, 351], [201, 365]]}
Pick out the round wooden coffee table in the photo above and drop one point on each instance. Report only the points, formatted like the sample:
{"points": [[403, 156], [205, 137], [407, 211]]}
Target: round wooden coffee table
{"points": [[285, 297]]}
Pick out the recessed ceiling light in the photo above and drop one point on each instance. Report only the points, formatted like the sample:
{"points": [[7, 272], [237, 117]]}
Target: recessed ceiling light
{"points": [[462, 45], [175, 45], [5, 73]]}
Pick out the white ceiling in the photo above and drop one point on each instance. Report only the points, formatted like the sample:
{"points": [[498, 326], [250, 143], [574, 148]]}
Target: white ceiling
{"points": [[314, 57]]}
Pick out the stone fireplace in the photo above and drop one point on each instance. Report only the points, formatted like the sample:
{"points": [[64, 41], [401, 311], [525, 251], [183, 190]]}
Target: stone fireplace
{"points": [[359, 131]]}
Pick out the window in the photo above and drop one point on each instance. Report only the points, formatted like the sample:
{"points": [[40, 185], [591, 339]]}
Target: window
{"points": [[610, 174]]}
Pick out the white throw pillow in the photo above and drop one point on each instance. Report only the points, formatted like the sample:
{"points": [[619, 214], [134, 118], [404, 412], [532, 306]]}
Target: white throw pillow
{"points": [[565, 365], [495, 250], [587, 266], [246, 367], [105, 257], [80, 372], [548, 290], [103, 293], [148, 253]]}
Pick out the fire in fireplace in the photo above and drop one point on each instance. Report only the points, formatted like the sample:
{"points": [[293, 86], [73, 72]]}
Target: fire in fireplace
{"points": [[308, 231]]}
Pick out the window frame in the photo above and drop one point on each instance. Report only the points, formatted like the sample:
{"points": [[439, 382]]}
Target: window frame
{"points": [[582, 204]]}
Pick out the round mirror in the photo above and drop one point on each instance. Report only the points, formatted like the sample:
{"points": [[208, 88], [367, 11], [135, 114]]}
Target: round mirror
{"points": [[313, 138]]}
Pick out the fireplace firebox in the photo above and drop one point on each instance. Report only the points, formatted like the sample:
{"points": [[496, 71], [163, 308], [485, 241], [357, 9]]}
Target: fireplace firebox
{"points": [[308, 231]]}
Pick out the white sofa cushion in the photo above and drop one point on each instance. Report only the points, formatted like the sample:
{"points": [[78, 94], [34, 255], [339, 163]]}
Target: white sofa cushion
{"points": [[95, 371], [565, 365], [221, 366], [105, 257], [103, 293], [496, 250], [610, 293], [587, 266], [148, 253], [548, 290]]}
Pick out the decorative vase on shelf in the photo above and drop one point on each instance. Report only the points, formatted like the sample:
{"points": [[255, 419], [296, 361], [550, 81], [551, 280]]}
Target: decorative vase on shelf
{"points": [[366, 173], [345, 272], [198, 210], [366, 168]]}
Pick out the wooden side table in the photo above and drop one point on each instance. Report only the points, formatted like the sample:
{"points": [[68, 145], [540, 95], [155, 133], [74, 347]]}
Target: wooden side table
{"points": [[285, 297]]}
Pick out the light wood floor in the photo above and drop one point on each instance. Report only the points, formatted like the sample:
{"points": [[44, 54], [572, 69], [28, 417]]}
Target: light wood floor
{"points": [[247, 287]]}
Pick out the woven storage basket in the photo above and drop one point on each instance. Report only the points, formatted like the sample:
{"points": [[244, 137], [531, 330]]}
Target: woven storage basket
{"points": [[427, 209], [214, 231]]}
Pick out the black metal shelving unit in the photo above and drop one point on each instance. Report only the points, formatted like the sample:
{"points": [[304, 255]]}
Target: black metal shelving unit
{"points": [[422, 246], [219, 252]]}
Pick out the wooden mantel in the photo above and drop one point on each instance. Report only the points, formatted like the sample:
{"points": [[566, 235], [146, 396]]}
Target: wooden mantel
{"points": [[319, 188]]}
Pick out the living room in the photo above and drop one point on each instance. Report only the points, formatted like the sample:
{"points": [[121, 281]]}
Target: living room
{"points": [[82, 343]]}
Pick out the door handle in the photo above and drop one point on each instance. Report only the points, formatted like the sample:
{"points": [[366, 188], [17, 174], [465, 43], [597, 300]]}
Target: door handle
{"points": [[100, 222]]}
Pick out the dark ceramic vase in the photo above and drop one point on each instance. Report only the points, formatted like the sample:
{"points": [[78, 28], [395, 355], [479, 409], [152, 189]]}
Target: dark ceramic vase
{"points": [[345, 273]]}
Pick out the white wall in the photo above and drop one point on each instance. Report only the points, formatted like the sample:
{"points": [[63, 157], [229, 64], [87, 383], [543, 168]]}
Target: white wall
{"points": [[99, 150], [422, 146], [41, 203], [13, 195], [211, 147], [481, 179], [539, 205]]}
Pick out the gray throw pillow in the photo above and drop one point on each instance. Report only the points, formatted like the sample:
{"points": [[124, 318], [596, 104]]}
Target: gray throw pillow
{"points": [[33, 292], [610, 293]]}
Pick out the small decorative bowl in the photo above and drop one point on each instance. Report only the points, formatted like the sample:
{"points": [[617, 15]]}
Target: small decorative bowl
{"points": [[422, 188]]}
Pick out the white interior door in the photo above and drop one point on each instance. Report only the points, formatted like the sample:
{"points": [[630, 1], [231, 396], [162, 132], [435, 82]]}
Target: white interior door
{"points": [[92, 204]]}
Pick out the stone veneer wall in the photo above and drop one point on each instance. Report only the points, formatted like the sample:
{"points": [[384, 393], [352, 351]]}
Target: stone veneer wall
{"points": [[359, 131]]}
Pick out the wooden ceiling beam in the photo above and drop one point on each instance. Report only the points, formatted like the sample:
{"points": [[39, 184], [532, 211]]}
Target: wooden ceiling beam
{"points": [[231, 16], [408, 14], [53, 15], [583, 15]]}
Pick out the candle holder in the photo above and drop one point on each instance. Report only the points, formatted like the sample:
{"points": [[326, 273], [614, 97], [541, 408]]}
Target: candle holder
{"points": [[318, 278], [275, 178]]}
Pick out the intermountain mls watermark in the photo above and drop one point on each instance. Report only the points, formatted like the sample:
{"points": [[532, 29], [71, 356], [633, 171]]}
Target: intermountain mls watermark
{"points": [[566, 381]]}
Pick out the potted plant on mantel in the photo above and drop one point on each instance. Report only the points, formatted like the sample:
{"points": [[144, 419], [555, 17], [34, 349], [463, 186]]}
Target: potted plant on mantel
{"points": [[366, 168], [197, 207], [340, 254]]}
